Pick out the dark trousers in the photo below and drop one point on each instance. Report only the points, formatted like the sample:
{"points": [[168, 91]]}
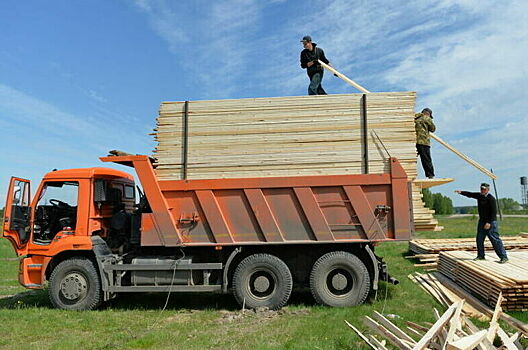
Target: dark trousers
{"points": [[493, 235], [315, 87], [427, 162]]}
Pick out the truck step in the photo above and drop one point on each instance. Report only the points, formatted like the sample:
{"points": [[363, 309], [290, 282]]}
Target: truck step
{"points": [[163, 267], [176, 289]]}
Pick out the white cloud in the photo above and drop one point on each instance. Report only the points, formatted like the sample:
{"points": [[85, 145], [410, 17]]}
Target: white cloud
{"points": [[39, 136], [215, 46]]}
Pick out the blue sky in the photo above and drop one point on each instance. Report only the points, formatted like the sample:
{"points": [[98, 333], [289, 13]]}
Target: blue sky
{"points": [[78, 78]]}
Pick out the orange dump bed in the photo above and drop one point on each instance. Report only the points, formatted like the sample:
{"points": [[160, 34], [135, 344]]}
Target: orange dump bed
{"points": [[273, 210]]}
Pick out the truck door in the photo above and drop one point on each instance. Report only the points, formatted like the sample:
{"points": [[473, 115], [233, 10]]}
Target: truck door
{"points": [[17, 214]]}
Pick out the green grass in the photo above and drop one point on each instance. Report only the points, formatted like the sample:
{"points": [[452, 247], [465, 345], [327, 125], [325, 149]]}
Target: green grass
{"points": [[199, 321]]}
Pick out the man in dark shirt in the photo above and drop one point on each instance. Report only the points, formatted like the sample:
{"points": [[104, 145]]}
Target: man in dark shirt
{"points": [[309, 61], [487, 224]]}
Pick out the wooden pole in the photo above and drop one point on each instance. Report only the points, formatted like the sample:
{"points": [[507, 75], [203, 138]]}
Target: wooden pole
{"points": [[463, 156], [442, 142], [497, 196], [344, 77]]}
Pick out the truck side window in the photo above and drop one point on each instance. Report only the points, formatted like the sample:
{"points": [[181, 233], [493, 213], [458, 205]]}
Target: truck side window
{"points": [[56, 210], [130, 192]]}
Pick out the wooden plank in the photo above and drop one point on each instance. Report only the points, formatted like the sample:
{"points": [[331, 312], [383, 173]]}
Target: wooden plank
{"points": [[428, 183], [344, 77], [386, 333], [436, 328], [467, 343], [392, 327], [463, 156], [365, 339]]}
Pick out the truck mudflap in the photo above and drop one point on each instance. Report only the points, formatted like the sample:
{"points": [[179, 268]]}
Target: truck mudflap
{"points": [[103, 256], [384, 273]]}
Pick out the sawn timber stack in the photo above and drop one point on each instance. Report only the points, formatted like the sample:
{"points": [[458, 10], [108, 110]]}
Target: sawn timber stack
{"points": [[289, 136]]}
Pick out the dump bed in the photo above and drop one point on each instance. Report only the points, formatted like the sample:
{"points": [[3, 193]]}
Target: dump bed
{"points": [[273, 210]]}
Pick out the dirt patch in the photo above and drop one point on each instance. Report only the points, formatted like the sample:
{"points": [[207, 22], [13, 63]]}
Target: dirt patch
{"points": [[260, 314]]}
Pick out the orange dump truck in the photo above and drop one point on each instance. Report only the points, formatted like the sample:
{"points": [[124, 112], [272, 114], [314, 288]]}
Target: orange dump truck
{"points": [[86, 234]]}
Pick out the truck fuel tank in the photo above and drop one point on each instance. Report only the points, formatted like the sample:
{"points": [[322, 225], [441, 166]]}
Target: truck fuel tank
{"points": [[175, 274]]}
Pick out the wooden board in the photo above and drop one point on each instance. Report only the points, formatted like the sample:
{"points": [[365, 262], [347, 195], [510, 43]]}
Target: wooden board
{"points": [[428, 183]]}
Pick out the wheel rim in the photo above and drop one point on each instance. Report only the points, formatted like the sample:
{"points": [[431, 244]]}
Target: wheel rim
{"points": [[340, 282], [262, 284], [74, 287]]}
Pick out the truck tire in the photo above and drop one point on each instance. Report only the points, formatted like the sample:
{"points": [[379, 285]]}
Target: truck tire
{"points": [[75, 285], [339, 279], [262, 280]]}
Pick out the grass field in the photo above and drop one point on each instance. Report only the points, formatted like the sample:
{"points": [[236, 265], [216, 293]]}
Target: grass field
{"points": [[213, 321]]}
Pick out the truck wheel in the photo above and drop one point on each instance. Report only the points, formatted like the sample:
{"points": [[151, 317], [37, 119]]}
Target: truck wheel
{"points": [[339, 279], [75, 285], [262, 280]]}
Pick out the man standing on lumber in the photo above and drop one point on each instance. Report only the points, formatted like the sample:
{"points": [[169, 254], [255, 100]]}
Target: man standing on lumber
{"points": [[487, 224], [310, 57], [423, 124]]}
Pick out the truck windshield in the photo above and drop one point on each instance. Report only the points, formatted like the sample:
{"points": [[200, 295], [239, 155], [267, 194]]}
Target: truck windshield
{"points": [[66, 192], [56, 210]]}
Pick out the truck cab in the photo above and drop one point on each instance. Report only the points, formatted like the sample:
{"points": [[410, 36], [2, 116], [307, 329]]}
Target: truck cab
{"points": [[69, 208]]}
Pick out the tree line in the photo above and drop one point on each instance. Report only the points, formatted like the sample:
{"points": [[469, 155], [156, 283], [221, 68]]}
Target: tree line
{"points": [[441, 204]]}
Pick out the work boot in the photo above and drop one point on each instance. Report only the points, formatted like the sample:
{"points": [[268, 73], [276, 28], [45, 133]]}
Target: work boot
{"points": [[478, 258], [503, 260]]}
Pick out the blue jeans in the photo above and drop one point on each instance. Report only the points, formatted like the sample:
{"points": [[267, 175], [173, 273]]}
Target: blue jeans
{"points": [[493, 235], [315, 87]]}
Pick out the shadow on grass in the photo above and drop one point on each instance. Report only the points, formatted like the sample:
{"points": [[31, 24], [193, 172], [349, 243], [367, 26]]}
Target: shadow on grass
{"points": [[30, 298], [177, 301]]}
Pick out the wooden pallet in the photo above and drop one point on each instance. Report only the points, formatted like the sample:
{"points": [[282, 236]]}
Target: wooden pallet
{"points": [[488, 279], [289, 136]]}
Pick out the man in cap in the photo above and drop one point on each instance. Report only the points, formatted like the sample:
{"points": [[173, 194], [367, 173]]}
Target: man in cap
{"points": [[309, 61], [487, 224], [423, 124]]}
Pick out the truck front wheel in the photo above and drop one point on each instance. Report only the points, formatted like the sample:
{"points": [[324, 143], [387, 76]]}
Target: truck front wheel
{"points": [[262, 280], [339, 279], [75, 285]]}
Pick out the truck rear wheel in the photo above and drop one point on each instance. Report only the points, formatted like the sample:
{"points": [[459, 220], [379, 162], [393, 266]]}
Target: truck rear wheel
{"points": [[75, 285], [262, 280], [339, 279]]}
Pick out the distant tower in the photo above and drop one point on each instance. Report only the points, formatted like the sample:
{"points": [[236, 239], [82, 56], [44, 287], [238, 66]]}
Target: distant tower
{"points": [[524, 191]]}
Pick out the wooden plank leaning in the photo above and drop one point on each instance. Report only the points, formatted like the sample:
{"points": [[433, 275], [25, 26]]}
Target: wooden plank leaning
{"points": [[463, 156], [442, 142]]}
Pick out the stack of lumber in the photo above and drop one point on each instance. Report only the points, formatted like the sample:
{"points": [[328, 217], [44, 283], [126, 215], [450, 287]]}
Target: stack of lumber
{"points": [[427, 250], [452, 330], [288, 136], [447, 292], [488, 279]]}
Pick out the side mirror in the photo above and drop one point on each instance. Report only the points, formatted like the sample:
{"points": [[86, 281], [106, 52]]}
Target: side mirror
{"points": [[100, 191]]}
